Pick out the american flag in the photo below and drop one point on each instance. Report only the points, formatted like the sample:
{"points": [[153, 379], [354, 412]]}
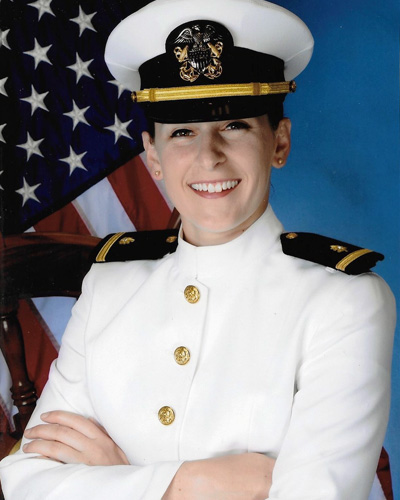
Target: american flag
{"points": [[65, 123], [70, 138], [71, 156]]}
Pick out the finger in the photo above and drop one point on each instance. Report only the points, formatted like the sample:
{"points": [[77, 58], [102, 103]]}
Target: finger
{"points": [[59, 433], [53, 450], [74, 421], [99, 426]]}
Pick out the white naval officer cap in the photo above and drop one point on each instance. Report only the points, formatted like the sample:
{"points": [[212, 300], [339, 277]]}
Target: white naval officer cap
{"points": [[204, 60]]}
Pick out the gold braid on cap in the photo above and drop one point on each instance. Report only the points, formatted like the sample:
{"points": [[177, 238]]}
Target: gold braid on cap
{"points": [[209, 91]]}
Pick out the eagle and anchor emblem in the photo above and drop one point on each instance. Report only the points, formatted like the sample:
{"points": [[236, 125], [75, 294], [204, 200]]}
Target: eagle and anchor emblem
{"points": [[199, 52]]}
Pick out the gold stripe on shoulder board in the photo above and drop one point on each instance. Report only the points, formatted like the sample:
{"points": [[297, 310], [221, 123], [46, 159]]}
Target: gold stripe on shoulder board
{"points": [[101, 256], [341, 265]]}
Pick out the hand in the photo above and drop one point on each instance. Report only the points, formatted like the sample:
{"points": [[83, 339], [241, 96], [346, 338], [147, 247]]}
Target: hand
{"points": [[72, 439], [247, 476]]}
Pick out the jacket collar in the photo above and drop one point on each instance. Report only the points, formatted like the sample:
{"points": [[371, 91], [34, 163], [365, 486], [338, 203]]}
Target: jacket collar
{"points": [[208, 262]]}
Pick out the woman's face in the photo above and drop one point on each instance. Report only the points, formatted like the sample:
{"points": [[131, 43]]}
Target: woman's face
{"points": [[217, 174]]}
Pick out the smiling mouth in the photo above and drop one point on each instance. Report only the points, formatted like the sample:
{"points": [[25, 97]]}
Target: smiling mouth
{"points": [[215, 187]]}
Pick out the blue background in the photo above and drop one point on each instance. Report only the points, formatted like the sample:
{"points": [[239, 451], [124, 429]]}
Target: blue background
{"points": [[342, 177]]}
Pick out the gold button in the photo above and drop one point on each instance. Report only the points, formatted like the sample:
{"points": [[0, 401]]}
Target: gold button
{"points": [[291, 236], [192, 294], [166, 415], [182, 355], [171, 239]]}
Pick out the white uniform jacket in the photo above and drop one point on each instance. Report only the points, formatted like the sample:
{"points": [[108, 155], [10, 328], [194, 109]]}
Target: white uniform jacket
{"points": [[287, 358]]}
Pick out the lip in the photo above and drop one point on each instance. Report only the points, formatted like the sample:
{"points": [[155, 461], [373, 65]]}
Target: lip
{"points": [[214, 189]]}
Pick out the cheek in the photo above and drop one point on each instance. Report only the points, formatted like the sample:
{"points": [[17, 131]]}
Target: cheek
{"points": [[260, 162], [170, 183], [174, 180], [173, 162], [173, 173], [256, 152]]}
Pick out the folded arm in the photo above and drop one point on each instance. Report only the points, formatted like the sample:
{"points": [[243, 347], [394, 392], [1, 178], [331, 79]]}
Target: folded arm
{"points": [[72, 439], [82, 459], [29, 476]]}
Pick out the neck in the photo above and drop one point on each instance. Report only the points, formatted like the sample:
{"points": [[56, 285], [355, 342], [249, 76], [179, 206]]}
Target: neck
{"points": [[200, 237]]}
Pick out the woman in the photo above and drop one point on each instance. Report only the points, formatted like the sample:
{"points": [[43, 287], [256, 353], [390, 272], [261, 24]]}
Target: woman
{"points": [[233, 367]]}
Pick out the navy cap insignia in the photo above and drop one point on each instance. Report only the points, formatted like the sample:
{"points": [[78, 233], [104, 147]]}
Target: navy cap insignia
{"points": [[198, 47]]}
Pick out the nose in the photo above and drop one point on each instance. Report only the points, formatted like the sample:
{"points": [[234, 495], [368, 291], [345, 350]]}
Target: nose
{"points": [[211, 152]]}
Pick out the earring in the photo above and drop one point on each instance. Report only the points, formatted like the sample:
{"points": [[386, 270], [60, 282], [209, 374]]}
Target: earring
{"points": [[157, 173], [280, 161]]}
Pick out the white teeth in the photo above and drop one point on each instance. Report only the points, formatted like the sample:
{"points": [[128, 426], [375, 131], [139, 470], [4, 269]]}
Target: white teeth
{"points": [[218, 187]]}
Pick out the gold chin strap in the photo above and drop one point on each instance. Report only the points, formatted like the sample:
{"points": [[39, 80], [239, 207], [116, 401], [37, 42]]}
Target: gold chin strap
{"points": [[209, 91]]}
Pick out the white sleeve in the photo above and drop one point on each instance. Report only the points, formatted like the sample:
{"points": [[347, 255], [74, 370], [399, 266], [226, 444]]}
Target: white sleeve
{"points": [[26, 476], [341, 403]]}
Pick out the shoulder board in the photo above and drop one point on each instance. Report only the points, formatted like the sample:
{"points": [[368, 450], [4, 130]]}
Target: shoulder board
{"points": [[139, 245], [328, 252]]}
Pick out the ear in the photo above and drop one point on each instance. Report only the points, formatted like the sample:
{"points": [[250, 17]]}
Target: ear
{"points": [[153, 161], [282, 138]]}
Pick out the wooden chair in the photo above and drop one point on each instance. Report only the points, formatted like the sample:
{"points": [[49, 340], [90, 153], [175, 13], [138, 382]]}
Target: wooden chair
{"points": [[34, 265]]}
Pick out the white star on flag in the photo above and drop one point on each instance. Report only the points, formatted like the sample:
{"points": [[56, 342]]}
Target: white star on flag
{"points": [[39, 53], [1, 132], [31, 146], [74, 160], [42, 6], [36, 100], [81, 68], [121, 86], [28, 192], [84, 21], [119, 128], [78, 115], [4, 42], [2, 86]]}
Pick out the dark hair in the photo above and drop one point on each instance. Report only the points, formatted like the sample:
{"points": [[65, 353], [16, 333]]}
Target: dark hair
{"points": [[275, 114]]}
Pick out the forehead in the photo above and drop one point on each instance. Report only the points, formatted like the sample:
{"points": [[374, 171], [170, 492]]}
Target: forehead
{"points": [[214, 123], [211, 124]]}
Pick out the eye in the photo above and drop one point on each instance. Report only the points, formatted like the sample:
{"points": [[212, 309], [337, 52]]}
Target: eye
{"points": [[182, 132], [237, 126]]}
